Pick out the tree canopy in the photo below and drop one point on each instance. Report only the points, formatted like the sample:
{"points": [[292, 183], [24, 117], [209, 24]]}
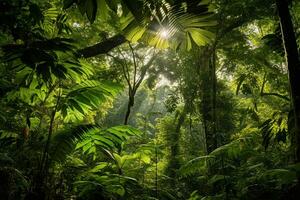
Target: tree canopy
{"points": [[149, 99]]}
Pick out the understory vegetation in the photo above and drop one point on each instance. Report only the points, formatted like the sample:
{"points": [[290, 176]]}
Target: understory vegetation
{"points": [[149, 99]]}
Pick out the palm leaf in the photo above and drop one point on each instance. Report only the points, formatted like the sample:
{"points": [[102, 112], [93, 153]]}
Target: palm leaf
{"points": [[106, 139], [64, 142], [87, 96]]}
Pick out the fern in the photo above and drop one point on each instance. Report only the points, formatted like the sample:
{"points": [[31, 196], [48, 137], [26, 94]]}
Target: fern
{"points": [[47, 58], [106, 139], [85, 97], [239, 147], [274, 129], [64, 142], [89, 138], [196, 165]]}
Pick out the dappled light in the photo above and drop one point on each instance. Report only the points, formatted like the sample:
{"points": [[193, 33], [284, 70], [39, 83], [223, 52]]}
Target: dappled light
{"points": [[149, 100], [164, 33]]}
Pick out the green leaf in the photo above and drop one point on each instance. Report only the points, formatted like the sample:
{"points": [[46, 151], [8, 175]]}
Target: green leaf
{"points": [[117, 189], [103, 9], [112, 4], [216, 178], [118, 159], [91, 10], [284, 176], [76, 105], [145, 158], [68, 3], [99, 167]]}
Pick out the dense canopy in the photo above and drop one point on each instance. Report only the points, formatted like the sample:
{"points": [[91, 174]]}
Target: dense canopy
{"points": [[149, 99]]}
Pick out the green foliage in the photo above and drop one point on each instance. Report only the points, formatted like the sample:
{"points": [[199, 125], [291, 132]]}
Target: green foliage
{"points": [[108, 139], [184, 20], [181, 20], [86, 96], [213, 122]]}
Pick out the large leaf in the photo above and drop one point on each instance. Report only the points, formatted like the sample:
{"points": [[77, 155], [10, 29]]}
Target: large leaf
{"points": [[64, 142], [106, 139], [87, 96], [49, 58], [171, 25]]}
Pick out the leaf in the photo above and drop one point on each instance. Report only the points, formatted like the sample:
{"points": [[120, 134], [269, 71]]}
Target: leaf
{"points": [[117, 189], [183, 25], [103, 9], [216, 178], [106, 139], [118, 159], [59, 71], [69, 139], [284, 176], [91, 10], [99, 167], [239, 81], [68, 3], [195, 165], [197, 37], [86, 148], [112, 4], [76, 105], [146, 159]]}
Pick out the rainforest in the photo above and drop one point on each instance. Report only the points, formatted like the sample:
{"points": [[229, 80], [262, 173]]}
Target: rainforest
{"points": [[149, 99]]}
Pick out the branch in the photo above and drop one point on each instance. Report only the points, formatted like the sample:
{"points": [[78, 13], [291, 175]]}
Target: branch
{"points": [[262, 93], [123, 65], [275, 94], [144, 71], [102, 47], [134, 63]]}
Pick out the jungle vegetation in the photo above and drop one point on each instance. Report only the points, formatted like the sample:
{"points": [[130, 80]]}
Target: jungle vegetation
{"points": [[149, 99]]}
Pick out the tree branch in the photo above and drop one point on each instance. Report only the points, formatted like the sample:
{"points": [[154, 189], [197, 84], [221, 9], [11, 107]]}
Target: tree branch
{"points": [[262, 93], [134, 63], [275, 94], [102, 47]]}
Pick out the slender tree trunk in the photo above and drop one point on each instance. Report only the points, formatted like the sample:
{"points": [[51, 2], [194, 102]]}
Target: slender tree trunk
{"points": [[293, 63], [214, 97], [208, 89], [174, 164], [38, 190], [156, 171], [129, 106], [45, 157]]}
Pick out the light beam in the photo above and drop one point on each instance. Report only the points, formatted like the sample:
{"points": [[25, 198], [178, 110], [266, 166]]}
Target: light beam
{"points": [[164, 33]]}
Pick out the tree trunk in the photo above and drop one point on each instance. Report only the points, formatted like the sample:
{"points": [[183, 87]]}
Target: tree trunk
{"points": [[214, 97], [174, 163], [293, 63], [208, 98], [129, 106], [102, 47]]}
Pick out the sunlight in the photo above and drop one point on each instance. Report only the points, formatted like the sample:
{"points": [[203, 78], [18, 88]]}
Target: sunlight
{"points": [[164, 33]]}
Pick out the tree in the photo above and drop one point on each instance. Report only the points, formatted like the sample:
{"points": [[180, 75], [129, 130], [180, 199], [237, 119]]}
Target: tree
{"points": [[293, 63]]}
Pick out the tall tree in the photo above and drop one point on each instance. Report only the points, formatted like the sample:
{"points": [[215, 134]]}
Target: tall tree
{"points": [[293, 63]]}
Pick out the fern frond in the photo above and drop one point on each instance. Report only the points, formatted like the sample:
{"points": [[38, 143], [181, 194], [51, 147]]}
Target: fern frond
{"points": [[196, 165], [64, 142], [106, 139], [86, 96]]}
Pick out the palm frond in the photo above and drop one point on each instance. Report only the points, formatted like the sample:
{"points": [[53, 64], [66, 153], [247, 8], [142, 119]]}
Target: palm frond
{"points": [[45, 57], [106, 139], [181, 23], [86, 96], [64, 142]]}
